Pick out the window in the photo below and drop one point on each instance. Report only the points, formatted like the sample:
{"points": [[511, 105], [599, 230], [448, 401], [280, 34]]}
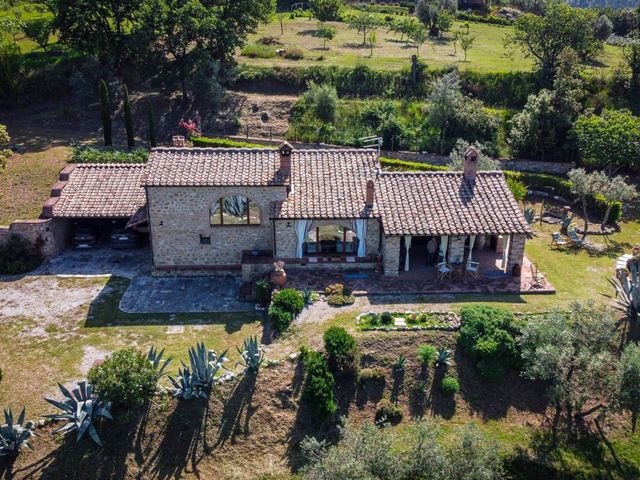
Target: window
{"points": [[235, 210], [205, 239], [331, 239]]}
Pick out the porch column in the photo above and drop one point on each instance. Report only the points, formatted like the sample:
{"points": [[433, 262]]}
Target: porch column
{"points": [[515, 255], [391, 255], [472, 242], [407, 246]]}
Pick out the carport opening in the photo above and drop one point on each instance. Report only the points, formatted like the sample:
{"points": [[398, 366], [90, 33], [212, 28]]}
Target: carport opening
{"points": [[102, 229]]}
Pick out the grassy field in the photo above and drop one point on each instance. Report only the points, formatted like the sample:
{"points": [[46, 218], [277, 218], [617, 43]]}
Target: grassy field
{"points": [[488, 54], [26, 12]]}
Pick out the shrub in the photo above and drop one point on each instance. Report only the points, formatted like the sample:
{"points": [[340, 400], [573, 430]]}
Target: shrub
{"points": [[340, 300], [386, 318], [293, 53], [326, 10], [488, 334], [334, 289], [223, 143], [290, 300], [322, 100], [262, 291], [426, 354], [449, 386], [108, 155], [280, 319], [18, 256], [318, 388], [126, 378], [258, 50], [341, 348], [518, 189], [374, 374], [388, 411]]}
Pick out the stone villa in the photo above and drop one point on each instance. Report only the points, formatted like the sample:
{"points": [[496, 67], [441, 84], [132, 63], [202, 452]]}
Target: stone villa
{"points": [[221, 210]]}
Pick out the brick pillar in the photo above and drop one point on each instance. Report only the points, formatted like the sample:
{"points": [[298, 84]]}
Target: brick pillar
{"points": [[391, 255], [516, 251]]}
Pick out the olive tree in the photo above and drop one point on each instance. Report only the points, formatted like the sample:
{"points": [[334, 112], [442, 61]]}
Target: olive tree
{"points": [[572, 351], [456, 157], [584, 185], [326, 33], [629, 382], [614, 190]]}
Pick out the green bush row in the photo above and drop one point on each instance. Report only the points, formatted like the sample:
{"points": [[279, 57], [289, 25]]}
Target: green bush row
{"points": [[404, 165], [222, 143], [491, 19], [318, 386], [108, 155]]}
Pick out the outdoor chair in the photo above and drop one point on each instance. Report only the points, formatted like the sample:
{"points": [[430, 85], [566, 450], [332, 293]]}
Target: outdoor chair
{"points": [[556, 240], [574, 239], [444, 270], [473, 269]]}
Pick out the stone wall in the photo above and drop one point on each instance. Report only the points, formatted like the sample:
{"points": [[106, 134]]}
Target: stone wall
{"points": [[179, 215], [287, 242], [49, 236], [515, 254], [391, 255]]}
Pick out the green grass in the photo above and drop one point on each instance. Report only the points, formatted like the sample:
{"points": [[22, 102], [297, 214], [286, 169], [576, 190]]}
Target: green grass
{"points": [[487, 55], [26, 11]]}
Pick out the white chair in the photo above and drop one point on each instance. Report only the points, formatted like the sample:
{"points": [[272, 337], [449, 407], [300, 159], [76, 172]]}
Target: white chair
{"points": [[443, 270], [472, 269]]}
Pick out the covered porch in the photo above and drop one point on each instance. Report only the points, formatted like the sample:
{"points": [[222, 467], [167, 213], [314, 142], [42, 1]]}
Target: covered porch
{"points": [[367, 282]]}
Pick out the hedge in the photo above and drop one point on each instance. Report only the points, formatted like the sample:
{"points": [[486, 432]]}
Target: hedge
{"points": [[223, 143], [491, 19], [404, 165]]}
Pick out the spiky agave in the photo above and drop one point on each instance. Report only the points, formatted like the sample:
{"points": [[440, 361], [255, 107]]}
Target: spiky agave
{"points": [[15, 435], [628, 292], [400, 363], [80, 408], [251, 354], [443, 357], [194, 381], [155, 358]]}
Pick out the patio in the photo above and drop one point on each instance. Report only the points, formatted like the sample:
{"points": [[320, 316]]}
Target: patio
{"points": [[425, 281]]}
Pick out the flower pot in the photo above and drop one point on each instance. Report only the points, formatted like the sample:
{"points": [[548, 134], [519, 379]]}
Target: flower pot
{"points": [[278, 279]]}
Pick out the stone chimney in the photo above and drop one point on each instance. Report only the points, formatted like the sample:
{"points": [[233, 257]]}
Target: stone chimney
{"points": [[370, 195], [471, 155], [178, 141], [285, 158]]}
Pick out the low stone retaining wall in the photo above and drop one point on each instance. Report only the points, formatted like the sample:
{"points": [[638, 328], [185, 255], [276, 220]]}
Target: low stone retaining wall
{"points": [[402, 321]]}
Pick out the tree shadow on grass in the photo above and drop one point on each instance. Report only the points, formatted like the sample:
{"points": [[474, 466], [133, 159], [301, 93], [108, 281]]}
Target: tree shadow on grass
{"points": [[442, 405], [86, 459], [370, 391], [238, 410], [177, 451]]}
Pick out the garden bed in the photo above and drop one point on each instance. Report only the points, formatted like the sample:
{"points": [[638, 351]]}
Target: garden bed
{"points": [[408, 321]]}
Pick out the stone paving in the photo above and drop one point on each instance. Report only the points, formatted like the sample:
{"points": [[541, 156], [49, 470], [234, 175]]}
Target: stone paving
{"points": [[184, 295]]}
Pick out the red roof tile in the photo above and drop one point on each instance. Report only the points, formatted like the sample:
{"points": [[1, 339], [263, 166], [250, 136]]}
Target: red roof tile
{"points": [[443, 203], [101, 190]]}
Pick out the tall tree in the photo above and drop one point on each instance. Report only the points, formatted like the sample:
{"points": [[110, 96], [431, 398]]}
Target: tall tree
{"points": [[583, 186], [152, 124], [105, 111], [436, 14], [616, 189], [100, 27], [128, 118], [610, 141], [326, 10], [363, 22], [629, 382], [631, 54], [544, 37]]}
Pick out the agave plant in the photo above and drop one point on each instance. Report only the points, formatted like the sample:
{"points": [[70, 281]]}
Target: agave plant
{"points": [[628, 292], [400, 363], [307, 295], [443, 357], [155, 358], [193, 381], [15, 435], [79, 410], [251, 354], [529, 215]]}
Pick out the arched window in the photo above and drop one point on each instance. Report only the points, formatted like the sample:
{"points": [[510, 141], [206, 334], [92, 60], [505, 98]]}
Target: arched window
{"points": [[331, 239], [235, 210]]}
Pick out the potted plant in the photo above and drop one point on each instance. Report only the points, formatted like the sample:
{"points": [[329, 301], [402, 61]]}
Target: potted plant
{"points": [[278, 276]]}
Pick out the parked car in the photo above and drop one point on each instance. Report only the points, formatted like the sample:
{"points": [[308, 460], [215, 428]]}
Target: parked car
{"points": [[124, 239], [84, 238]]}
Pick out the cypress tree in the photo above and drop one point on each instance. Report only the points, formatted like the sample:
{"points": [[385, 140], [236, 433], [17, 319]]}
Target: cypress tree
{"points": [[106, 113], [152, 124], [128, 118]]}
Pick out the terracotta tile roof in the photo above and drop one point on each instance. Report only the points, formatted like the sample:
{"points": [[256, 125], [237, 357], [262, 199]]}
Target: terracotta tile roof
{"points": [[100, 190], [442, 203], [329, 184], [199, 167]]}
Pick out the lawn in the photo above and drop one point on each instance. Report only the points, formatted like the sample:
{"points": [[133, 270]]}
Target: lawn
{"points": [[488, 54]]}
